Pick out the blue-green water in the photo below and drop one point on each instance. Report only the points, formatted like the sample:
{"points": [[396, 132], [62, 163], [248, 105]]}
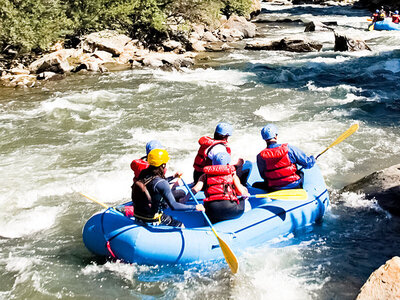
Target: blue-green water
{"points": [[80, 134]]}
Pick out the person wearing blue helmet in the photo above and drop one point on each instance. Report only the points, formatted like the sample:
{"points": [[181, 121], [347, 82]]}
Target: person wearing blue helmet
{"points": [[375, 16], [395, 17], [209, 147], [140, 164], [222, 189], [277, 163]]}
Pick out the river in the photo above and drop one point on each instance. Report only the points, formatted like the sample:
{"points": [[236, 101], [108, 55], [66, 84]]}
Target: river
{"points": [[80, 135]]}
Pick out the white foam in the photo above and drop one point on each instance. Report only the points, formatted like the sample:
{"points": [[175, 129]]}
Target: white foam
{"points": [[144, 87], [358, 200], [28, 222], [275, 112]]}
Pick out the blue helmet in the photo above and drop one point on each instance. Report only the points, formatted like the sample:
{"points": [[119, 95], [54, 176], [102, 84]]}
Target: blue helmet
{"points": [[377, 10], [153, 144], [269, 132], [396, 12], [224, 129], [221, 158]]}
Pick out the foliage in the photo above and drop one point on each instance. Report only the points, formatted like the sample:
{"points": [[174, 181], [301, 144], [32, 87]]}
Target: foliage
{"points": [[28, 25]]}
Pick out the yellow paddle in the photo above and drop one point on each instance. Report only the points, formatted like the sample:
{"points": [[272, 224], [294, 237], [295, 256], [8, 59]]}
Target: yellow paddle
{"points": [[94, 200], [341, 138], [228, 254], [289, 194]]}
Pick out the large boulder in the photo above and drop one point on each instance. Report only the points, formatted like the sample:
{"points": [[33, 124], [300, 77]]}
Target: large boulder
{"points": [[345, 43], [106, 40], [286, 44], [237, 24], [383, 185], [383, 283]]}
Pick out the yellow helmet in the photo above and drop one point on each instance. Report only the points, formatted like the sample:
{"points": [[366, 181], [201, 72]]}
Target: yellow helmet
{"points": [[157, 157]]}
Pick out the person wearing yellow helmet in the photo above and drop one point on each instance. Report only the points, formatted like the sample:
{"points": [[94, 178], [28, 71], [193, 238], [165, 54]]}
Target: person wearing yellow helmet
{"points": [[151, 193]]}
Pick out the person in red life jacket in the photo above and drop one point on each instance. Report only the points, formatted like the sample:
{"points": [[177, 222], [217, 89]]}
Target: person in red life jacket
{"points": [[277, 163], [375, 16], [395, 17], [222, 188], [151, 193], [209, 147]]}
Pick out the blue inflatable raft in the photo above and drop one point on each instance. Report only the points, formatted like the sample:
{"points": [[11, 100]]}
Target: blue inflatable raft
{"points": [[386, 24], [110, 233]]}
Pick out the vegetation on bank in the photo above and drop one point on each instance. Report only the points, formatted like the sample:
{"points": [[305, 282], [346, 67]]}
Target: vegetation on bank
{"points": [[34, 25]]}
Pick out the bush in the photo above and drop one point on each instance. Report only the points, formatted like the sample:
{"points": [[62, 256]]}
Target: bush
{"points": [[36, 24]]}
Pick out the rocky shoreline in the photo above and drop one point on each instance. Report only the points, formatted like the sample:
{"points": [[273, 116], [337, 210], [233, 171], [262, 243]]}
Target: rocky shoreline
{"points": [[111, 51]]}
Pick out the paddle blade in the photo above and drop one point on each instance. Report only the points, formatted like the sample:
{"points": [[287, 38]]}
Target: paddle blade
{"points": [[229, 255], [345, 135], [291, 195]]}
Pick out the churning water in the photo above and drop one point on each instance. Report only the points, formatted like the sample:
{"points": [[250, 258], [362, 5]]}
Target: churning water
{"points": [[80, 134]]}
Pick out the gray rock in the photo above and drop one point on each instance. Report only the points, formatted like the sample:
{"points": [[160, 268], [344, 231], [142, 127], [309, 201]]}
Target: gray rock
{"points": [[286, 44], [383, 283], [240, 24], [50, 76], [345, 43], [383, 185], [56, 62], [209, 37], [317, 26]]}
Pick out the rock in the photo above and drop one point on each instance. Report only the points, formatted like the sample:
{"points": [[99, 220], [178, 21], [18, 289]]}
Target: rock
{"points": [[19, 71], [239, 24], [54, 62], [172, 45], [209, 37], [106, 40], [198, 46], [22, 80], [255, 7], [103, 55], [317, 26], [199, 30], [50, 76], [286, 44], [383, 185], [344, 43], [383, 283]]}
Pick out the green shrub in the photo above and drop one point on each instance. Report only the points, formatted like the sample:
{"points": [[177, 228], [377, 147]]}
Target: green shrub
{"points": [[238, 7]]}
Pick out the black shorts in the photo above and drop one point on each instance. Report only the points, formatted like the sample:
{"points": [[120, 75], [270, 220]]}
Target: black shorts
{"points": [[221, 210]]}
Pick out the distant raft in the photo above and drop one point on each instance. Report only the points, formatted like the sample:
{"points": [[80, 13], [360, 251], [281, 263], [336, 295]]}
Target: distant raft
{"points": [[110, 233], [386, 24]]}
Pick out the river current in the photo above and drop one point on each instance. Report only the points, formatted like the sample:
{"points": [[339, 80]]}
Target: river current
{"points": [[80, 135]]}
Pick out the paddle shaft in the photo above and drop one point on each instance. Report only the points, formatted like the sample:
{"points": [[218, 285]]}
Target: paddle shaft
{"points": [[94, 200], [229, 256]]}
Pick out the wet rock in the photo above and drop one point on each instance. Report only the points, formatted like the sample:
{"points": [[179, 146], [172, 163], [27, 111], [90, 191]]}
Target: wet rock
{"points": [[19, 80], [383, 185], [50, 76], [103, 55], [345, 43], [317, 26], [286, 44], [383, 283], [197, 46], [19, 71], [106, 40]]}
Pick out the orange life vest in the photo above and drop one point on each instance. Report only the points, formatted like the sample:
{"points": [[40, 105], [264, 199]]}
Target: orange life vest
{"points": [[279, 171], [137, 166], [219, 183], [206, 143], [395, 19]]}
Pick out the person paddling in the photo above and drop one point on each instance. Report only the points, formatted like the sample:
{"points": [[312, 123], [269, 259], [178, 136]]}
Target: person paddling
{"points": [[222, 188], [277, 162], [151, 193], [209, 147], [395, 17]]}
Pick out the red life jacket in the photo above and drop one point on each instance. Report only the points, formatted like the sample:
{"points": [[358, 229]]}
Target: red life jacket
{"points": [[137, 166], [206, 143], [219, 183], [375, 17], [395, 19], [280, 171]]}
